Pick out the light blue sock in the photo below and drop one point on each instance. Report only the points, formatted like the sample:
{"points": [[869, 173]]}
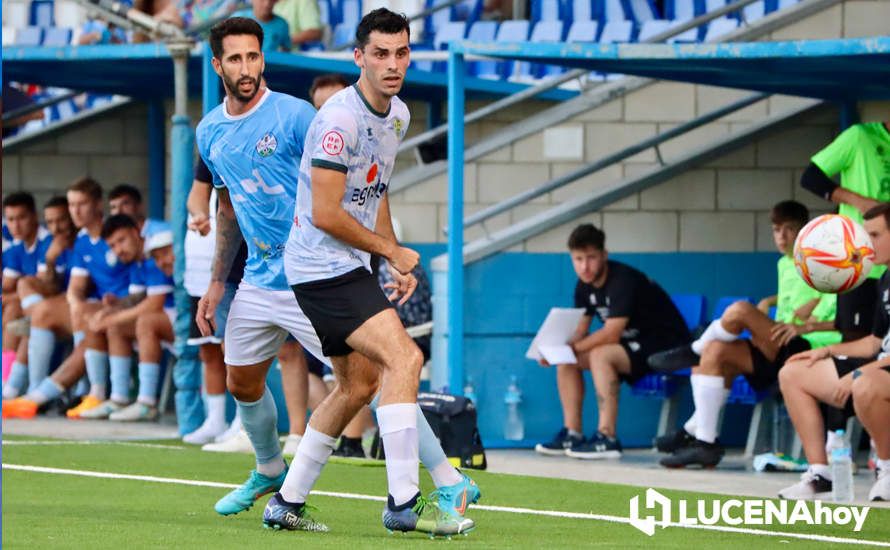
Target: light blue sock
{"points": [[83, 386], [18, 378], [149, 375], [78, 337], [120, 378], [41, 344], [260, 421], [31, 300], [431, 453], [97, 371], [46, 391]]}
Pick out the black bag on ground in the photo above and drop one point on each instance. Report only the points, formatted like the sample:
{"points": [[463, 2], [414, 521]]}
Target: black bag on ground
{"points": [[453, 420]]}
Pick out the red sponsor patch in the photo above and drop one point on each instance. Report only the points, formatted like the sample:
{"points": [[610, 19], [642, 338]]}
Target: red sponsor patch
{"points": [[372, 174], [332, 143]]}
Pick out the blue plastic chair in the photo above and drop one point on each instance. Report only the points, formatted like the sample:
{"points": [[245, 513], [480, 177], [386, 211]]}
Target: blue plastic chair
{"points": [[350, 12], [547, 10], [57, 36], [483, 31], [42, 13], [29, 36], [544, 31], [582, 10], [344, 34]]}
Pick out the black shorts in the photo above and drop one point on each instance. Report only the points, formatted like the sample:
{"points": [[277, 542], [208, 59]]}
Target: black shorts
{"points": [[315, 366], [195, 337], [765, 373], [337, 307], [856, 309], [639, 349], [844, 366]]}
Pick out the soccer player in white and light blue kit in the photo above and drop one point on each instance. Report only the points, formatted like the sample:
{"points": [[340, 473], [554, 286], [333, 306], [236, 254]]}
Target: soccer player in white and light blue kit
{"points": [[252, 144]]}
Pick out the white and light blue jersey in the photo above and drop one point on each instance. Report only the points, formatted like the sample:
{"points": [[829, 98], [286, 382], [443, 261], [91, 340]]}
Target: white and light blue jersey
{"points": [[20, 260], [256, 157], [349, 136], [93, 258]]}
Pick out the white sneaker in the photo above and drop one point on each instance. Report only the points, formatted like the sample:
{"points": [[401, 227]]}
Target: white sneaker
{"points": [[291, 442], [881, 489], [811, 486], [240, 443], [103, 411], [233, 430], [137, 412], [206, 433]]}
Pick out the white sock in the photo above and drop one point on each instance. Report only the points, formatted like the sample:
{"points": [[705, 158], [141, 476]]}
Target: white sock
{"points": [[821, 470], [715, 331], [216, 410], [312, 454], [883, 464], [690, 424], [398, 429], [709, 396], [445, 474]]}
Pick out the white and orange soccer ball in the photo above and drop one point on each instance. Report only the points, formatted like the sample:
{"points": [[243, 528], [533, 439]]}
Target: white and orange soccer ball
{"points": [[833, 253]]}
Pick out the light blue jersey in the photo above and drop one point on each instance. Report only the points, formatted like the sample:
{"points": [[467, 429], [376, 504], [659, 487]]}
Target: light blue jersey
{"points": [[94, 259], [276, 33], [256, 157]]}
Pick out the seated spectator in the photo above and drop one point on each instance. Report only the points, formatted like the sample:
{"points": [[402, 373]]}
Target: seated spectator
{"points": [[871, 402], [639, 319], [324, 86], [14, 99], [303, 20], [167, 11], [96, 31], [19, 261], [145, 316], [276, 36], [804, 320], [127, 200], [828, 375]]}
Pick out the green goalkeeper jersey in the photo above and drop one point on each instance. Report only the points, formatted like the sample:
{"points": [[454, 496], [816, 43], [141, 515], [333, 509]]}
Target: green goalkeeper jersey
{"points": [[861, 155], [794, 293]]}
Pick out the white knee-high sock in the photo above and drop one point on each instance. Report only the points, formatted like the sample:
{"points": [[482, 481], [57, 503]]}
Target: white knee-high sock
{"points": [[312, 454], [398, 429], [709, 396], [690, 424], [715, 331]]}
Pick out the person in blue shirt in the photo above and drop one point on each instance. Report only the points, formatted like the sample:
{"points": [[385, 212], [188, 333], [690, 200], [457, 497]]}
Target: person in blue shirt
{"points": [[276, 32], [144, 316], [126, 199]]}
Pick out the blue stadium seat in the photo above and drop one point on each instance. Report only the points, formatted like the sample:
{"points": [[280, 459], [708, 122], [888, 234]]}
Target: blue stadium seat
{"points": [[652, 28], [350, 12], [711, 5], [42, 13], [344, 35], [482, 31], [680, 10], [642, 10], [582, 10], [325, 13], [583, 31], [57, 36], [610, 10], [617, 31], [719, 27], [29, 36], [512, 30], [547, 10], [691, 307], [544, 31], [782, 4], [452, 30], [755, 11]]}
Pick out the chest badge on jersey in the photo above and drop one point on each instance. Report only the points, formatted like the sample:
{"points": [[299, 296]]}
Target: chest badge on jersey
{"points": [[110, 258], [266, 145], [397, 125]]}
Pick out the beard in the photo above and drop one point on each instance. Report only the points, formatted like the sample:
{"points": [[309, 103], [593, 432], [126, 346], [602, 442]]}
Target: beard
{"points": [[233, 87]]}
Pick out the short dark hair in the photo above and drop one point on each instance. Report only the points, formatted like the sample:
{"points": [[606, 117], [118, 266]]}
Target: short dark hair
{"points": [[59, 201], [586, 235], [789, 211], [20, 198], [118, 221], [380, 20], [231, 27], [325, 80], [125, 190], [87, 186], [882, 209]]}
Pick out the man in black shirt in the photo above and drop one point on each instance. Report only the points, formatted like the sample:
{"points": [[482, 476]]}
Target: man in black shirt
{"points": [[841, 375], [638, 318]]}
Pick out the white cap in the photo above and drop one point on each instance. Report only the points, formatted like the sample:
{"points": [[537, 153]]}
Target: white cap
{"points": [[159, 240]]}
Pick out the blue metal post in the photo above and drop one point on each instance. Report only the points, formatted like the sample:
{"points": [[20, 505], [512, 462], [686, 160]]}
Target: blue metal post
{"points": [[849, 114], [211, 94], [455, 221], [157, 168]]}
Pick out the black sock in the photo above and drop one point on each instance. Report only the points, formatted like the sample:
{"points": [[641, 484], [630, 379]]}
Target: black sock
{"points": [[410, 504], [294, 504]]}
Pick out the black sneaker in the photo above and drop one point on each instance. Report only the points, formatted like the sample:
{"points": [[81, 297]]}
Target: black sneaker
{"points": [[350, 448], [560, 444], [701, 453], [673, 359], [670, 443], [280, 514], [596, 447]]}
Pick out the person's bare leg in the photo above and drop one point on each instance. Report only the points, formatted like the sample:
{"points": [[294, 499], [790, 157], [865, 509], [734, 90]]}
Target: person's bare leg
{"points": [[803, 387], [318, 390], [742, 316], [570, 383], [871, 400], [358, 424], [295, 384], [607, 364]]}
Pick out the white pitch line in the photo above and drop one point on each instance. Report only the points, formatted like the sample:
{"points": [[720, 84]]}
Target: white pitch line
{"points": [[29, 442], [503, 509]]}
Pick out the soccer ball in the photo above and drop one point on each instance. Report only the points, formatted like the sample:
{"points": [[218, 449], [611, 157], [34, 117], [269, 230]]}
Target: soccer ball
{"points": [[833, 253]]}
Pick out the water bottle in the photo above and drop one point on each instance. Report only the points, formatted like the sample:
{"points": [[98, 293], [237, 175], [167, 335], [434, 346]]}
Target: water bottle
{"points": [[470, 390], [514, 430], [841, 469]]}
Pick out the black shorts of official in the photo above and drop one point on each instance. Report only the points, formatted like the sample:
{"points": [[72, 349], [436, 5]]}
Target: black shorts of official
{"points": [[856, 309], [314, 366], [639, 349], [844, 366], [765, 373], [195, 336], [336, 307]]}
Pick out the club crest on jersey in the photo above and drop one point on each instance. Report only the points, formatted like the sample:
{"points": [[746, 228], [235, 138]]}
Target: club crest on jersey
{"points": [[332, 143], [110, 258], [397, 124], [266, 145]]}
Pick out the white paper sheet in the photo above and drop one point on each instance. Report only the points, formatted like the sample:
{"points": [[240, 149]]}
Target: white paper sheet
{"points": [[558, 355], [556, 330]]}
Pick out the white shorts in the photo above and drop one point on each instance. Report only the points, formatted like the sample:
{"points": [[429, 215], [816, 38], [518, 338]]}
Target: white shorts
{"points": [[259, 322]]}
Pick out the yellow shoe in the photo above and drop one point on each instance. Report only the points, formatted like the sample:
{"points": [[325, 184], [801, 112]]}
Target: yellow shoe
{"points": [[19, 408], [88, 402]]}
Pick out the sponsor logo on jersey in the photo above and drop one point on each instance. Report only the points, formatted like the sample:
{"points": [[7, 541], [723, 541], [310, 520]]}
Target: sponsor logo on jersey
{"points": [[266, 145], [372, 174]]}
